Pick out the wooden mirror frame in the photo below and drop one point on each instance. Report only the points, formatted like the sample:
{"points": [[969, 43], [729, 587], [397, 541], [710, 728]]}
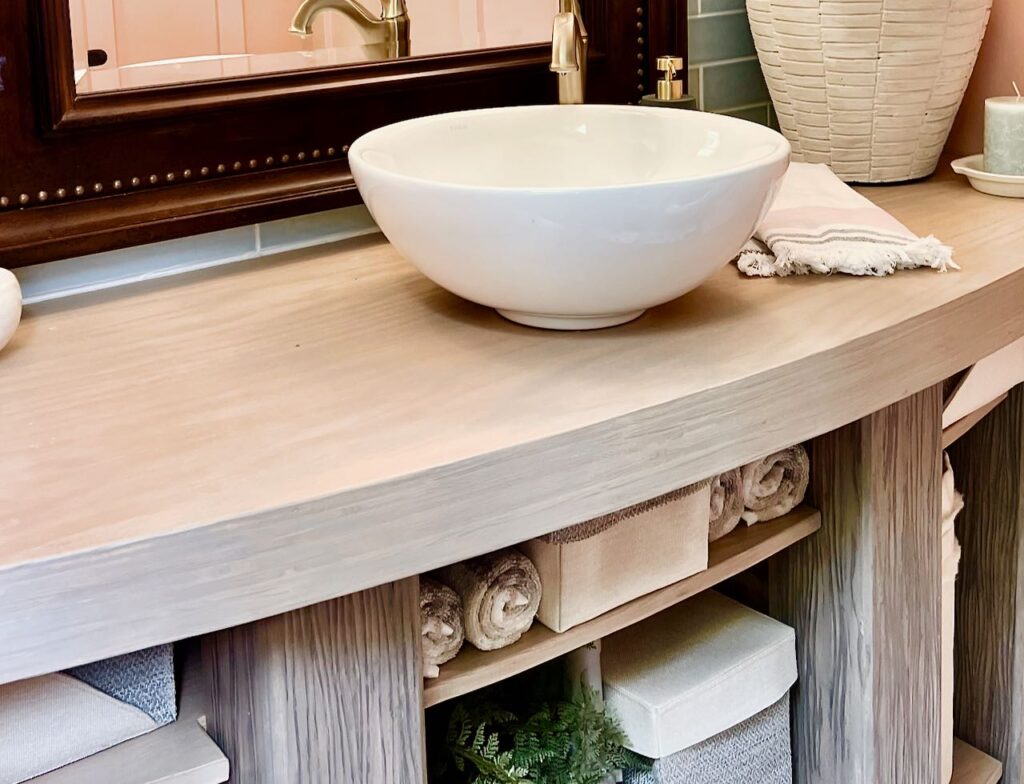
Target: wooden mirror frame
{"points": [[81, 174]]}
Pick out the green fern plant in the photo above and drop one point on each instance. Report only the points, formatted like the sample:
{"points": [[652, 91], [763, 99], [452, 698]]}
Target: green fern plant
{"points": [[560, 742]]}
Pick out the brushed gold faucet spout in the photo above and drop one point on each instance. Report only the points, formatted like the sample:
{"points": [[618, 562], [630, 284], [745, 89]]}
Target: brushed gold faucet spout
{"points": [[388, 33], [569, 45]]}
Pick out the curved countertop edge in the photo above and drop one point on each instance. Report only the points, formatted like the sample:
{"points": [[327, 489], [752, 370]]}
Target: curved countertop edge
{"points": [[196, 581]]}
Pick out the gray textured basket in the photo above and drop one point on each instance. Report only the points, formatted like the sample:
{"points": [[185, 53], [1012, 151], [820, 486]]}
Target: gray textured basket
{"points": [[756, 751]]}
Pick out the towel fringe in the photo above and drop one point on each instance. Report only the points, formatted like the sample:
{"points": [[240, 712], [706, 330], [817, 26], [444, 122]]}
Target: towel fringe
{"points": [[852, 258]]}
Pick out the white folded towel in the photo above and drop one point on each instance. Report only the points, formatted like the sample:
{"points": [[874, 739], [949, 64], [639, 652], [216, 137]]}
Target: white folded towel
{"points": [[818, 224]]}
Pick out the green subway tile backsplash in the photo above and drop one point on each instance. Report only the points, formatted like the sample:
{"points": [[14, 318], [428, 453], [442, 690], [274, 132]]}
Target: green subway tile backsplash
{"points": [[757, 114], [728, 85], [715, 6], [725, 75], [720, 37]]}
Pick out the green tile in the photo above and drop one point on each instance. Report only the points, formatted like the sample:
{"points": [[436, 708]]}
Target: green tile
{"points": [[716, 6], [756, 114], [692, 8], [722, 37], [773, 118], [733, 84]]}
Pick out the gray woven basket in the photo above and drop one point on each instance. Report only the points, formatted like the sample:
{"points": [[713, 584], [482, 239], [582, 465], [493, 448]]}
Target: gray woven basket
{"points": [[755, 751]]}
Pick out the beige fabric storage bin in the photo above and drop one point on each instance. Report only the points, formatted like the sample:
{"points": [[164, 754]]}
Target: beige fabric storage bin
{"points": [[597, 566]]}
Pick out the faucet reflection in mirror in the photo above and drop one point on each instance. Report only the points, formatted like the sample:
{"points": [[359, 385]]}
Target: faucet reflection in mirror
{"points": [[387, 34], [569, 46]]}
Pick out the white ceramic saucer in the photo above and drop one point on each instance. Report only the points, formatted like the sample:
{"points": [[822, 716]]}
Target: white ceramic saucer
{"points": [[972, 167]]}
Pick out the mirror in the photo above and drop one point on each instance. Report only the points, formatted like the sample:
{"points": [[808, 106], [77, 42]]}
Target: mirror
{"points": [[125, 44]]}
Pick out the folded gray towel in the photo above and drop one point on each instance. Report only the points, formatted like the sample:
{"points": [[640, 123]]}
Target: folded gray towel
{"points": [[144, 679]]}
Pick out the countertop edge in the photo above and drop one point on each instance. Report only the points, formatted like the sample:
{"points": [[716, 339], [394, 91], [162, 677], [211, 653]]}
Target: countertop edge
{"points": [[213, 577]]}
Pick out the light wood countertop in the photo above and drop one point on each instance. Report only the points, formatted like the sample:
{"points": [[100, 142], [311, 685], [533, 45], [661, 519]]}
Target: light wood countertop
{"points": [[190, 454]]}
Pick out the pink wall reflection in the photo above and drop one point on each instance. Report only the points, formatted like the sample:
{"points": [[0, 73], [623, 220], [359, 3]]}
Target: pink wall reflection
{"points": [[222, 38]]}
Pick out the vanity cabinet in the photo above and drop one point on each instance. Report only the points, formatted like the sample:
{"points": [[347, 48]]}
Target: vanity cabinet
{"points": [[279, 449]]}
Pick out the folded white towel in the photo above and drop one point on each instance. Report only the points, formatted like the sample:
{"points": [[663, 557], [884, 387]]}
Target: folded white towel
{"points": [[54, 720], [818, 224]]}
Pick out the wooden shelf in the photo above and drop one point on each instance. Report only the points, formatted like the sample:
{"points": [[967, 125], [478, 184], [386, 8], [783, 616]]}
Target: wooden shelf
{"points": [[972, 766], [960, 428], [740, 550], [180, 753]]}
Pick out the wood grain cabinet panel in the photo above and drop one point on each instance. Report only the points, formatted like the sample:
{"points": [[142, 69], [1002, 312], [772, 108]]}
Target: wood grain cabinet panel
{"points": [[863, 595], [989, 646], [326, 694]]}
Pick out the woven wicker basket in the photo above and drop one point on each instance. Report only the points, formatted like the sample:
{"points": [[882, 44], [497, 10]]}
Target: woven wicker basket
{"points": [[870, 87]]}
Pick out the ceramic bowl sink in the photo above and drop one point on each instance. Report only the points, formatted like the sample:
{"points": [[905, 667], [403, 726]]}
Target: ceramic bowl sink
{"points": [[569, 217]]}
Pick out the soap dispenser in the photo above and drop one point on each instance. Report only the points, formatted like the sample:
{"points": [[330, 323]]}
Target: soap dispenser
{"points": [[670, 89]]}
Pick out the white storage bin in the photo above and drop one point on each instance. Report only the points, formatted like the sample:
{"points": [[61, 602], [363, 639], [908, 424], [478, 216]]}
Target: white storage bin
{"points": [[684, 682], [597, 566]]}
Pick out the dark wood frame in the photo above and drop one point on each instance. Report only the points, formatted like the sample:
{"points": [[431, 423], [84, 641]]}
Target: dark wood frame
{"points": [[86, 173]]}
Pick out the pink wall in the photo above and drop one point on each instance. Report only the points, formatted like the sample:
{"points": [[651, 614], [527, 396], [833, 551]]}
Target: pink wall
{"points": [[1000, 62]]}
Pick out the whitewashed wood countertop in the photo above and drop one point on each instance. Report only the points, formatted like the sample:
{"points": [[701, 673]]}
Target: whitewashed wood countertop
{"points": [[195, 453]]}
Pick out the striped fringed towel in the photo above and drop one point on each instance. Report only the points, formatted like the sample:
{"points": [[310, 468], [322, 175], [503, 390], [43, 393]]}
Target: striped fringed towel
{"points": [[818, 224]]}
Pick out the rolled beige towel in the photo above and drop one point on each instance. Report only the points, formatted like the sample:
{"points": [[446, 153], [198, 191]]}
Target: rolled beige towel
{"points": [[726, 503], [500, 595], [775, 485], [441, 621]]}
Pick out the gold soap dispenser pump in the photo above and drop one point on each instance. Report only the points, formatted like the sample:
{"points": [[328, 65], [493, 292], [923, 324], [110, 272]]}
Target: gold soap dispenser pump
{"points": [[669, 91]]}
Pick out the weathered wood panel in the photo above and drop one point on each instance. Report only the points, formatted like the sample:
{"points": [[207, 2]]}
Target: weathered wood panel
{"points": [[330, 693], [863, 595], [989, 647]]}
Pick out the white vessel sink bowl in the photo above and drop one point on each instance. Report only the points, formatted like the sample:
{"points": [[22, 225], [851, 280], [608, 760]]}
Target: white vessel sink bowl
{"points": [[569, 217]]}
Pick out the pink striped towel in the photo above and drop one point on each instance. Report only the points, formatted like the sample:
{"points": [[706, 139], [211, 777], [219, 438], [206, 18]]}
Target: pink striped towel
{"points": [[818, 224]]}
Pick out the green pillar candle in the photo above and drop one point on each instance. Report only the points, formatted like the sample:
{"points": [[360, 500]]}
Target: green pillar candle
{"points": [[1004, 135]]}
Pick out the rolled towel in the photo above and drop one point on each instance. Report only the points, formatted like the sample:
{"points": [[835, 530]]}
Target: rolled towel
{"points": [[441, 621], [726, 503], [775, 485], [500, 595]]}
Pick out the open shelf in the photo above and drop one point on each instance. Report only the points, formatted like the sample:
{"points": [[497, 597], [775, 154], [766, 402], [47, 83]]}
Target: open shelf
{"points": [[744, 547], [973, 766]]}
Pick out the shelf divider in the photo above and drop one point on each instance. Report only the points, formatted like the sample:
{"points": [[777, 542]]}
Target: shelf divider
{"points": [[732, 554]]}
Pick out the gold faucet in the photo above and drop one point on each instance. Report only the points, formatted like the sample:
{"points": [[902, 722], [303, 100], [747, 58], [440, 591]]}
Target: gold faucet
{"points": [[569, 47], [387, 35]]}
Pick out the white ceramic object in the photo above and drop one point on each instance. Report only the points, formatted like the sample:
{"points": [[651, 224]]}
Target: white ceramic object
{"points": [[1004, 135], [569, 217], [973, 168], [10, 306], [870, 88]]}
